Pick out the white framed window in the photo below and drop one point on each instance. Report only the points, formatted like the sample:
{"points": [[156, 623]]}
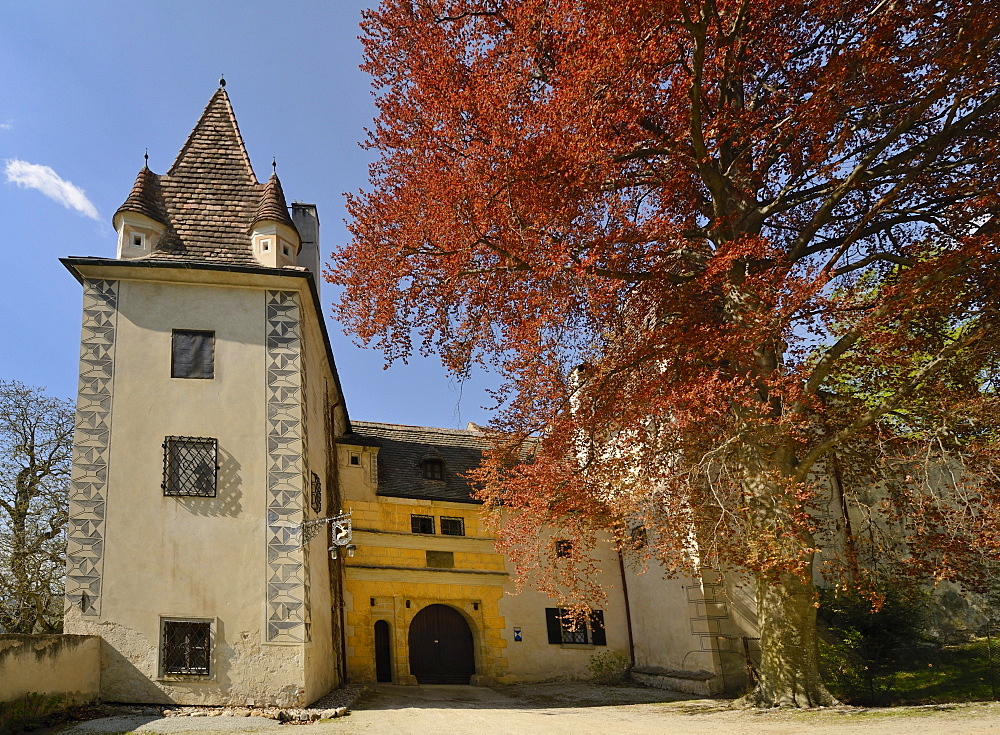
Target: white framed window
{"points": [[355, 459], [137, 240], [265, 245]]}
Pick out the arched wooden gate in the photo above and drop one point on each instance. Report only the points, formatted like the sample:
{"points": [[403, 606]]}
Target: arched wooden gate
{"points": [[441, 648]]}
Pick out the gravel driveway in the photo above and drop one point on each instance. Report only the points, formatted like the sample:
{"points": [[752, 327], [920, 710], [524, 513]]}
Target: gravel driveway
{"points": [[574, 709]]}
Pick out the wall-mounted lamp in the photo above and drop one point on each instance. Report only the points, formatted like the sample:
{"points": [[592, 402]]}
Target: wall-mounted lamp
{"points": [[351, 548], [517, 634]]}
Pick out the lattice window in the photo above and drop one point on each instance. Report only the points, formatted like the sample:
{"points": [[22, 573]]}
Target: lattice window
{"points": [[317, 494], [564, 548], [187, 647], [190, 466], [452, 526], [433, 469], [422, 524]]}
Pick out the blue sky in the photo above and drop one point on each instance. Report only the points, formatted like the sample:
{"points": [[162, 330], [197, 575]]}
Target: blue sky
{"points": [[87, 87]]}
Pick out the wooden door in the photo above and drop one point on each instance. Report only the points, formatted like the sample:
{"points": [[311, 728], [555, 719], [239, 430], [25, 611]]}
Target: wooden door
{"points": [[383, 657], [441, 646]]}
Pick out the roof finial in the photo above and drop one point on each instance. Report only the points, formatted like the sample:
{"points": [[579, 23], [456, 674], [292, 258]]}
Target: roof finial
{"points": [[146, 158], [222, 80], [274, 166]]}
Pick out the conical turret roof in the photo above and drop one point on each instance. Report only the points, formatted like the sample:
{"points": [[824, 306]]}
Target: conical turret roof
{"points": [[272, 204], [146, 198], [210, 197]]}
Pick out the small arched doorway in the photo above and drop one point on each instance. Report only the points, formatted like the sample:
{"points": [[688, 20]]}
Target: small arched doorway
{"points": [[383, 655], [441, 650]]}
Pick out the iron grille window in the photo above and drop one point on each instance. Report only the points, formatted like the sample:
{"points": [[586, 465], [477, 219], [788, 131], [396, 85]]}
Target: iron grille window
{"points": [[564, 548], [190, 466], [187, 647], [317, 494], [192, 354], [562, 629], [422, 524], [452, 526], [433, 469]]}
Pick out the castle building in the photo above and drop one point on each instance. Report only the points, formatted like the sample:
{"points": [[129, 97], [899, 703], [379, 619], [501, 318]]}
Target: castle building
{"points": [[213, 437]]}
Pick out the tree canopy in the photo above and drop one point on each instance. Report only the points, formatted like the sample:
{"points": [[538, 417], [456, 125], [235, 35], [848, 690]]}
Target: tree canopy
{"points": [[36, 444], [736, 263]]}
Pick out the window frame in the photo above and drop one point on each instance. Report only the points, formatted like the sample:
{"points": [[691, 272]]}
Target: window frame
{"points": [[560, 631], [175, 365], [564, 548], [210, 663], [452, 519], [422, 517], [432, 468], [170, 457]]}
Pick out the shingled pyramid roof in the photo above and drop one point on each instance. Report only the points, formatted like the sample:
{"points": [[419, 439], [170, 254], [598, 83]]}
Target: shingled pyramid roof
{"points": [[146, 197], [210, 196], [272, 204]]}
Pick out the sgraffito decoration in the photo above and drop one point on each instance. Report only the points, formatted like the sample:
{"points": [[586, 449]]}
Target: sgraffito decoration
{"points": [[91, 447], [287, 613]]}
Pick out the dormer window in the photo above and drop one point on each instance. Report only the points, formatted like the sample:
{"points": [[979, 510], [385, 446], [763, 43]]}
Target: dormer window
{"points": [[265, 246], [432, 469], [138, 240]]}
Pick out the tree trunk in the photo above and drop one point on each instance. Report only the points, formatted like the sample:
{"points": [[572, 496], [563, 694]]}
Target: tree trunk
{"points": [[789, 665]]}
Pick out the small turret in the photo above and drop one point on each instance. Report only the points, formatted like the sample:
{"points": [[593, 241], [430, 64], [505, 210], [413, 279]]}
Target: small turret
{"points": [[276, 242], [142, 220]]}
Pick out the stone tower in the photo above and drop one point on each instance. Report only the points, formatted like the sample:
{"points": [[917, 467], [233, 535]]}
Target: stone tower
{"points": [[208, 401]]}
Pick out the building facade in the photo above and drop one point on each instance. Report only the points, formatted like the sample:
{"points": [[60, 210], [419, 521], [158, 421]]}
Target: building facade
{"points": [[212, 435]]}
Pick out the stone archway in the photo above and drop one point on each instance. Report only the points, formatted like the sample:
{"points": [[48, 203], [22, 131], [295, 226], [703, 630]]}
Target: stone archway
{"points": [[441, 646]]}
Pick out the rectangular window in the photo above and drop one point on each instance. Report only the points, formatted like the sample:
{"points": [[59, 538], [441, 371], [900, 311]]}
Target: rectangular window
{"points": [[192, 354], [190, 466], [452, 526], [564, 548], [441, 559], [561, 628], [317, 494], [187, 647], [422, 524], [355, 459]]}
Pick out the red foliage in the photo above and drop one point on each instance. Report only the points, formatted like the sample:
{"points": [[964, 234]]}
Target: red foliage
{"points": [[758, 226]]}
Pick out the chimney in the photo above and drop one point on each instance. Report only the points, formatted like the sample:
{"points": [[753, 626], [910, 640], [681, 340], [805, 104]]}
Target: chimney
{"points": [[306, 221]]}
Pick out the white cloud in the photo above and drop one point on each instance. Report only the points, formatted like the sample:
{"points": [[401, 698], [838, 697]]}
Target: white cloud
{"points": [[47, 181], [6, 125]]}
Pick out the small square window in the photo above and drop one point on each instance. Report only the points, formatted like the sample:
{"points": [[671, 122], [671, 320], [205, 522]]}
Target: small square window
{"points": [[564, 548], [432, 469], [190, 466], [355, 459], [138, 240], [452, 526], [441, 559], [192, 354], [265, 246], [285, 251], [317, 494], [422, 524], [187, 647]]}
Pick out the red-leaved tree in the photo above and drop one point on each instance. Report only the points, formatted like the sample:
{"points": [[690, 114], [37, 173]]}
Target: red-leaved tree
{"points": [[735, 261]]}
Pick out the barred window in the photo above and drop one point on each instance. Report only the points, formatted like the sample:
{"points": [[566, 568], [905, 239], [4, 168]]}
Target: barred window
{"points": [[190, 466], [187, 647], [452, 526], [192, 354], [564, 548], [317, 494], [422, 524], [563, 629]]}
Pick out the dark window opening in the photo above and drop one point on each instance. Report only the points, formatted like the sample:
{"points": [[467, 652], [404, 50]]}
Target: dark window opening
{"points": [[433, 469], [186, 647], [190, 466], [192, 354], [564, 548], [422, 524], [638, 537], [452, 526], [317, 494], [356, 460], [441, 559], [563, 628]]}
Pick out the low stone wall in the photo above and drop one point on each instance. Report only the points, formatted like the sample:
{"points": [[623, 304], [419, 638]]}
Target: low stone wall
{"points": [[63, 666]]}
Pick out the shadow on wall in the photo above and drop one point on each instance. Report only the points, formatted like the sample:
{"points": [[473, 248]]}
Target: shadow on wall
{"points": [[228, 491]]}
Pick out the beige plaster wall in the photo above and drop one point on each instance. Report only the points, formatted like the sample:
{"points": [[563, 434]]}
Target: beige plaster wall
{"points": [[62, 665], [188, 557]]}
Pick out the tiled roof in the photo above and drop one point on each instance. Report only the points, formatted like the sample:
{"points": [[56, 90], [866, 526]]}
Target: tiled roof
{"points": [[403, 448], [146, 197], [272, 204], [210, 196]]}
